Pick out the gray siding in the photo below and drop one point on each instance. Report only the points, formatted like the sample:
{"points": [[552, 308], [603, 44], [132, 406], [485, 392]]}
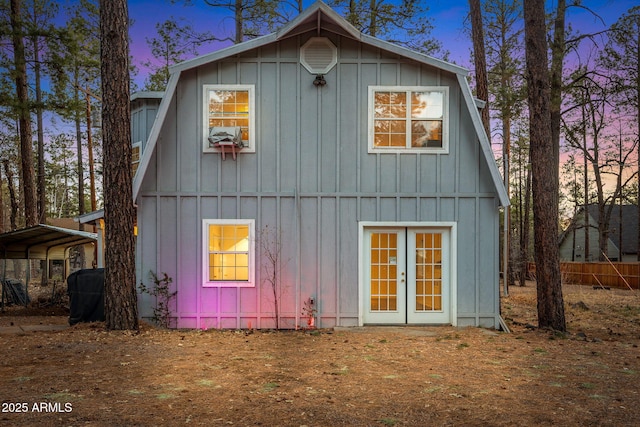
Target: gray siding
{"points": [[312, 178], [143, 114]]}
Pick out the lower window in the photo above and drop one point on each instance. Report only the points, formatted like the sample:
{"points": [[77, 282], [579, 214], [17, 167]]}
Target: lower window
{"points": [[228, 252]]}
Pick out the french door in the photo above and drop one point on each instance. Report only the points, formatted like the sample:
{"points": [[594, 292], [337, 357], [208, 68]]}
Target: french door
{"points": [[406, 275]]}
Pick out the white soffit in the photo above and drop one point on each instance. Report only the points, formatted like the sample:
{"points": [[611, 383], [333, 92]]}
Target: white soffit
{"points": [[318, 55]]}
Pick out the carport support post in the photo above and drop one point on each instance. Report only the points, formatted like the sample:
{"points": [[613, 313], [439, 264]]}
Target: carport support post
{"points": [[45, 272], [4, 277], [26, 285]]}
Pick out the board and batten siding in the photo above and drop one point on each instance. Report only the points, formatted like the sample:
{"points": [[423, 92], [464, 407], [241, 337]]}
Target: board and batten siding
{"points": [[312, 179], [143, 114]]}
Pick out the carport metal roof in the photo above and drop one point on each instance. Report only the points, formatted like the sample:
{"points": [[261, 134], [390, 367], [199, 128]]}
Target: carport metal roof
{"points": [[41, 242]]}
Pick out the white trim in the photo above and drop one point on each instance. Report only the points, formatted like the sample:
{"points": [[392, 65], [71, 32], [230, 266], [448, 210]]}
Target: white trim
{"points": [[150, 147], [205, 252], [289, 30], [146, 95], [436, 316], [485, 144], [226, 52], [137, 144], [286, 31], [306, 51], [318, 9], [251, 148], [453, 262], [408, 89], [399, 50]]}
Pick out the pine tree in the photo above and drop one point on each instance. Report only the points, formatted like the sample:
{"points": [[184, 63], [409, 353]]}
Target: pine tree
{"points": [[174, 42], [621, 58], [544, 182], [121, 308], [405, 23], [23, 113]]}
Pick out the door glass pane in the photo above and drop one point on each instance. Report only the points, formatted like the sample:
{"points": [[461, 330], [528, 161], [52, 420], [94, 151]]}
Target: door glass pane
{"points": [[428, 272], [383, 272]]}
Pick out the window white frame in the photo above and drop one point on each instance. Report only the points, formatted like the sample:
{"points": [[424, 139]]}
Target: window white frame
{"points": [[136, 163], [205, 253], [452, 226], [250, 145], [408, 148]]}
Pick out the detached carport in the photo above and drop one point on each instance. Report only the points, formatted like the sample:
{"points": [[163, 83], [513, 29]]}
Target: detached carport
{"points": [[40, 242]]}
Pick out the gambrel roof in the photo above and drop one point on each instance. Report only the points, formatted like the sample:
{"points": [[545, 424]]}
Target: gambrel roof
{"points": [[320, 17]]}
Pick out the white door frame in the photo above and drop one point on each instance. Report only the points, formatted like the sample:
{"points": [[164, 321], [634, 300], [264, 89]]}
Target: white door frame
{"points": [[452, 226]]}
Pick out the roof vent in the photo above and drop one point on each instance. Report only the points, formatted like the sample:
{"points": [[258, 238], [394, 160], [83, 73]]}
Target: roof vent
{"points": [[318, 55]]}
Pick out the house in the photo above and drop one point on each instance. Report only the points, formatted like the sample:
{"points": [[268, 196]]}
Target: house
{"points": [[144, 108], [357, 168], [622, 235]]}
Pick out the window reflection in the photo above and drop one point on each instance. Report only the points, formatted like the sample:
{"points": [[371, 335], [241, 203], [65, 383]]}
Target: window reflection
{"points": [[230, 108], [410, 119]]}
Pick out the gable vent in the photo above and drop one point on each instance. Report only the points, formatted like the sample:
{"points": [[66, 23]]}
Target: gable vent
{"points": [[318, 55]]}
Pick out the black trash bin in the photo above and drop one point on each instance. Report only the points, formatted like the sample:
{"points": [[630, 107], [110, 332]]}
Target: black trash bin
{"points": [[86, 296]]}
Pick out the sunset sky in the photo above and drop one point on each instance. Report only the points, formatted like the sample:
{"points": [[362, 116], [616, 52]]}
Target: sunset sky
{"points": [[449, 19]]}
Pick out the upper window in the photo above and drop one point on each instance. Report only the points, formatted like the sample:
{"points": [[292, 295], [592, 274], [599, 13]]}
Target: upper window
{"points": [[228, 108], [228, 252], [408, 119]]}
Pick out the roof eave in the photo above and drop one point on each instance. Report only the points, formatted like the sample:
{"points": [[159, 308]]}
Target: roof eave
{"points": [[314, 15], [412, 54], [154, 133], [226, 52], [485, 145]]}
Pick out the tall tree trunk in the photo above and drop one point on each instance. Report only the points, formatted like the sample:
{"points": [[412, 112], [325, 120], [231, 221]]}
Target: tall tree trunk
{"points": [[373, 18], [482, 92], [42, 215], [92, 179], [524, 244], [76, 99], [24, 118], [620, 196], [544, 182], [557, 59], [13, 223], [1, 205], [239, 21], [506, 158], [587, 229], [638, 131], [352, 15], [121, 310], [42, 208], [480, 62]]}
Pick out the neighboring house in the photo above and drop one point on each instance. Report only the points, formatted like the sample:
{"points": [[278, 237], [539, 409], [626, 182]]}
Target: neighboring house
{"points": [[144, 108], [366, 160], [623, 235]]}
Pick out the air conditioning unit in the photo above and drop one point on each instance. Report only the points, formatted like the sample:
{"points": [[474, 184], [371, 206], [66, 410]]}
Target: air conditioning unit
{"points": [[230, 135], [227, 136]]}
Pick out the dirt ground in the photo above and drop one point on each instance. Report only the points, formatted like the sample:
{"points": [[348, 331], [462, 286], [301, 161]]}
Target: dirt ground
{"points": [[374, 376]]}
